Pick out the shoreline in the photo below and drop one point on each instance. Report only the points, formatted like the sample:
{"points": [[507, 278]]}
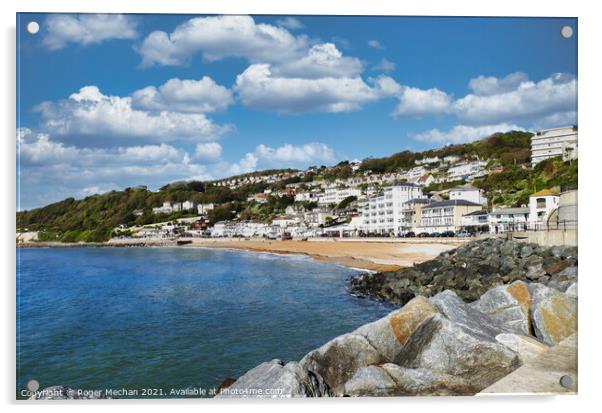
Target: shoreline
{"points": [[372, 255]]}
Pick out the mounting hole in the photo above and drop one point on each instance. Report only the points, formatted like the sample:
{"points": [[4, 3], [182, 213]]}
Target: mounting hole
{"points": [[566, 381], [566, 32], [33, 27]]}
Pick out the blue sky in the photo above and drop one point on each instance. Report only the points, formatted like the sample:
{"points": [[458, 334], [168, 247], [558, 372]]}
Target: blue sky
{"points": [[110, 101]]}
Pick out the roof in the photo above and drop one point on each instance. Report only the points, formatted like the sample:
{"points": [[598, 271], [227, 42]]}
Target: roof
{"points": [[452, 202], [546, 192], [506, 211], [474, 213], [466, 187]]}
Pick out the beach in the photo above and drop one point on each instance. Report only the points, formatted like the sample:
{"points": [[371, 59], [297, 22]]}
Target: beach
{"points": [[373, 255]]}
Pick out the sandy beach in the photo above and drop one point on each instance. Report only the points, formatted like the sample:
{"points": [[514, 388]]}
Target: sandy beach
{"points": [[370, 255]]}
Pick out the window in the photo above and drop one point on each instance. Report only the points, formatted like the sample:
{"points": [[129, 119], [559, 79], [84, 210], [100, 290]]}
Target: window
{"points": [[541, 202]]}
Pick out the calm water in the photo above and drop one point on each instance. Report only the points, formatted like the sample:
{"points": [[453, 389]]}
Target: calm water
{"points": [[172, 318]]}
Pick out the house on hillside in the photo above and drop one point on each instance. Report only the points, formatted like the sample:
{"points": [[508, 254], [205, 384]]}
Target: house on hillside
{"points": [[541, 204], [468, 193]]}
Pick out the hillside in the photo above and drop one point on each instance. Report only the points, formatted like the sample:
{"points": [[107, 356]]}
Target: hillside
{"points": [[93, 218]]}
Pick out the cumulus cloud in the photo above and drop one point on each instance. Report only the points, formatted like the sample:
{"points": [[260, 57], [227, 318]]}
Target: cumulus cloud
{"points": [[86, 29], [375, 44], [486, 86], [385, 65], [260, 89], [463, 133], [304, 154], [91, 113], [523, 100], [210, 151], [414, 102], [218, 37], [322, 60], [290, 23], [192, 96]]}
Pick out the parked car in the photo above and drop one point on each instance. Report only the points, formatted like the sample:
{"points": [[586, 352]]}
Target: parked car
{"points": [[463, 234], [423, 235], [448, 234], [410, 234], [287, 236]]}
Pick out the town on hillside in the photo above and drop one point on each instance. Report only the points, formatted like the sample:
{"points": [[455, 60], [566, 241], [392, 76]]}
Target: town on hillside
{"points": [[391, 204]]}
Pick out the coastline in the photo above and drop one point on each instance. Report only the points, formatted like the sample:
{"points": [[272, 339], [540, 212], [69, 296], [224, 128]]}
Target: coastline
{"points": [[372, 255]]}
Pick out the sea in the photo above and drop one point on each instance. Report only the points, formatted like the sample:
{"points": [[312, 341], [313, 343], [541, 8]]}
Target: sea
{"points": [[172, 322]]}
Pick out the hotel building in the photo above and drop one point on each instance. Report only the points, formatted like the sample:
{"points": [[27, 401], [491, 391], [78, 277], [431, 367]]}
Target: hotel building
{"points": [[550, 143]]}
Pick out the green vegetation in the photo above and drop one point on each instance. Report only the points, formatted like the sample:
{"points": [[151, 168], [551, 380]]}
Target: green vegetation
{"points": [[510, 148]]}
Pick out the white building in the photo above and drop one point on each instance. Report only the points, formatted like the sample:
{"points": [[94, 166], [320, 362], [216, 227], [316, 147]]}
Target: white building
{"points": [[307, 196], [445, 215], [223, 229], [550, 143], [468, 193], [508, 220], [187, 205], [541, 205], [335, 195], [203, 209], [385, 214], [475, 221], [466, 170], [412, 212], [166, 208]]}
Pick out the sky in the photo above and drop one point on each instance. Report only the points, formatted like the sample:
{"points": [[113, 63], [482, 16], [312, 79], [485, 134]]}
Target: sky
{"points": [[106, 102]]}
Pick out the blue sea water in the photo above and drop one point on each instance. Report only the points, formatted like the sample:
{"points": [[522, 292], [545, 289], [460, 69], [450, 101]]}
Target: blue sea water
{"points": [[172, 318]]}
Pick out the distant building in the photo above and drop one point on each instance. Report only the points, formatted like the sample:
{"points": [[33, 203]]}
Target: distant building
{"points": [[336, 195], [385, 212], [412, 213], [187, 205], [550, 143], [445, 215], [425, 180], [541, 204], [138, 212], [508, 220], [476, 221], [466, 170], [468, 193], [260, 198], [203, 209]]}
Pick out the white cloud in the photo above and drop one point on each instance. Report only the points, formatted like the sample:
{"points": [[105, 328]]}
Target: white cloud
{"points": [[290, 23], [375, 44], [210, 151], [463, 133], [322, 60], [524, 100], [89, 112], [258, 88], [192, 96], [385, 65], [415, 102], [486, 86], [218, 37], [85, 29], [290, 154]]}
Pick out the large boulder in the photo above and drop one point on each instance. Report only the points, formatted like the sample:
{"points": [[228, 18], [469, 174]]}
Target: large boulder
{"points": [[393, 380], [337, 360], [460, 341], [526, 347], [510, 304], [275, 379], [554, 314]]}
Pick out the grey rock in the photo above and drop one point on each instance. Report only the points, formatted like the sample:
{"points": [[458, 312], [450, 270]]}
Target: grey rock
{"points": [[371, 381], [569, 272], [571, 291], [274, 380], [426, 382], [338, 360], [526, 347], [508, 304], [535, 272], [554, 315]]}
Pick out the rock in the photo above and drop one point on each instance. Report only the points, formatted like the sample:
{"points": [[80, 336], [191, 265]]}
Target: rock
{"points": [[557, 267], [274, 379], [67, 393], [572, 290], [460, 341], [339, 359], [393, 380], [526, 250], [426, 382], [535, 272], [389, 334], [509, 304], [527, 347], [371, 381], [569, 272], [554, 315]]}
